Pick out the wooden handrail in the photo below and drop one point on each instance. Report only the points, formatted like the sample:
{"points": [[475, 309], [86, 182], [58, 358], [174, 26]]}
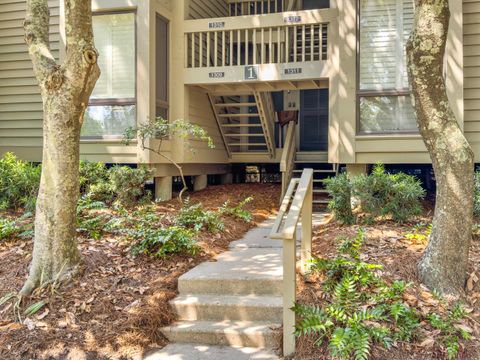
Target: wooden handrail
{"points": [[288, 156], [296, 202]]}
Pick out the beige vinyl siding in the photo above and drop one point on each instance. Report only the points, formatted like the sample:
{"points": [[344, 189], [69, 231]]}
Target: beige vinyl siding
{"points": [[204, 9], [201, 113], [471, 38], [20, 102]]}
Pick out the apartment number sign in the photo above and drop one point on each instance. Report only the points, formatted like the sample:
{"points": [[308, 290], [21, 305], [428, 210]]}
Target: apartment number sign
{"points": [[293, 71], [216, 75], [251, 72], [292, 19], [216, 25]]}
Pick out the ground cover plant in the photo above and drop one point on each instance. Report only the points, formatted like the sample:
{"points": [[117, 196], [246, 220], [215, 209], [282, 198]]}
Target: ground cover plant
{"points": [[364, 298], [361, 309], [116, 307], [376, 195]]}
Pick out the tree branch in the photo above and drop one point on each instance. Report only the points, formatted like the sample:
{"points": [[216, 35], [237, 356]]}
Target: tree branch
{"points": [[36, 27]]}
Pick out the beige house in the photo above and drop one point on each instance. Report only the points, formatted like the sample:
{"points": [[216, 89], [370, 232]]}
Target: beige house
{"points": [[240, 68]]}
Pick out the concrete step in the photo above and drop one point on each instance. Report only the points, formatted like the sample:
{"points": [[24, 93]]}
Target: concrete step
{"points": [[239, 272], [204, 352], [225, 333], [223, 307]]}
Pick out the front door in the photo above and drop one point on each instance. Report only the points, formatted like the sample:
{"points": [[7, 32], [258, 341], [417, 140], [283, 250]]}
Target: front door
{"points": [[314, 120]]}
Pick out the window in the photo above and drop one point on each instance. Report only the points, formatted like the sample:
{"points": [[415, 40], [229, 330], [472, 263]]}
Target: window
{"points": [[384, 96], [162, 55], [112, 106]]}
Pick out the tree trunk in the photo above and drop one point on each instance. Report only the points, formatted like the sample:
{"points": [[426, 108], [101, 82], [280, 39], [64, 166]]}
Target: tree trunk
{"points": [[65, 93], [444, 263]]}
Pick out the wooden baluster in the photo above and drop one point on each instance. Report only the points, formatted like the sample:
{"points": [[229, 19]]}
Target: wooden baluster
{"points": [[215, 49], [312, 43], [320, 43], [193, 50], [231, 47], [247, 62], [279, 45], [295, 43], [287, 44], [303, 43], [187, 58], [200, 50], [208, 49], [239, 47], [270, 47], [224, 51], [268, 6], [254, 44], [262, 42]]}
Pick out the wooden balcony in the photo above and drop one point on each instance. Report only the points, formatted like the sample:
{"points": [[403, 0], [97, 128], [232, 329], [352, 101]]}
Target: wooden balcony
{"points": [[262, 52]]}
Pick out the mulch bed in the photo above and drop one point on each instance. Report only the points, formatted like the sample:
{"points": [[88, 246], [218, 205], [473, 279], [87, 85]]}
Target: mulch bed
{"points": [[116, 307], [387, 245]]}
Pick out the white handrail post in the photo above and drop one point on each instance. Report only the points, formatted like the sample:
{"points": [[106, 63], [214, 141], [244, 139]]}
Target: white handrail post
{"points": [[306, 247], [289, 294]]}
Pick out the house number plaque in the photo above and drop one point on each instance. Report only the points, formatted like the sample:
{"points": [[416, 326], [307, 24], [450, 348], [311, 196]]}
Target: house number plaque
{"points": [[216, 75], [216, 25], [294, 19], [251, 72], [293, 71]]}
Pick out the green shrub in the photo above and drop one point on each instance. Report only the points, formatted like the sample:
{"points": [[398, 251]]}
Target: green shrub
{"points": [[19, 183], [378, 194], [383, 194], [128, 184], [89, 220], [238, 211], [21, 227], [195, 217], [91, 174], [361, 309], [340, 190]]}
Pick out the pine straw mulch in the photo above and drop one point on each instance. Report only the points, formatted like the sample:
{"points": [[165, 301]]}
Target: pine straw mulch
{"points": [[115, 308], [387, 245]]}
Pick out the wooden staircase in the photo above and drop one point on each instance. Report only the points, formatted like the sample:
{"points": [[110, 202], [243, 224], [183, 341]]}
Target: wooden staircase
{"points": [[246, 122], [318, 161]]}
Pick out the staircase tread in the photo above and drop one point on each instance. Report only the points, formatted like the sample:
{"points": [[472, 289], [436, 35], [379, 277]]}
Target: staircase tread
{"points": [[228, 300], [224, 326], [210, 352], [247, 264]]}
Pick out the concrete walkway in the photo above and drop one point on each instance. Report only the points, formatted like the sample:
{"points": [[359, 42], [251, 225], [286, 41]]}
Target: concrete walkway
{"points": [[230, 308]]}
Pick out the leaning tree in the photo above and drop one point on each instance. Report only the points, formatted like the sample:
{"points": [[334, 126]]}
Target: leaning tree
{"points": [[65, 90], [445, 261]]}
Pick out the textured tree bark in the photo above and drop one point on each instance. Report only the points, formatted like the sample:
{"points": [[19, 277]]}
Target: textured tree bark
{"points": [[444, 263], [65, 91]]}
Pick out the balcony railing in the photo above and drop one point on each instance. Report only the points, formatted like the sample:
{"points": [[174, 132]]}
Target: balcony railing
{"points": [[278, 38]]}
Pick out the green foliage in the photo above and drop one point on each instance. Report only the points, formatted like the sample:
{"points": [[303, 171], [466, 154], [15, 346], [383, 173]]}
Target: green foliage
{"points": [[420, 233], [340, 190], [160, 242], [21, 227], [19, 183], [128, 184], [90, 220], [238, 211], [379, 194], [383, 194], [361, 309], [197, 218], [122, 185]]}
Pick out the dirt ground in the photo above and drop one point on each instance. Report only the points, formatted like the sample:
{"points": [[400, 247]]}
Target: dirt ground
{"points": [[387, 245], [115, 308]]}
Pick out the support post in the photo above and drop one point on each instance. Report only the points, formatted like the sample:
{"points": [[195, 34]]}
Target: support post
{"points": [[163, 188], [306, 243], [200, 182], [289, 294], [356, 169]]}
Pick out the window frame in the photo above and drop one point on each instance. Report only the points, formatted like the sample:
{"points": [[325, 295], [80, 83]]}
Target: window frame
{"points": [[374, 92], [158, 102], [117, 101]]}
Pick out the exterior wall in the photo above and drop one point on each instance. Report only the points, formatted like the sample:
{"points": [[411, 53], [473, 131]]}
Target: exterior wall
{"points": [[20, 101], [471, 39]]}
